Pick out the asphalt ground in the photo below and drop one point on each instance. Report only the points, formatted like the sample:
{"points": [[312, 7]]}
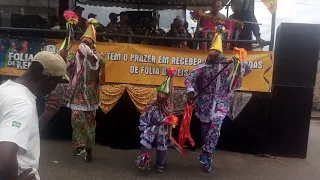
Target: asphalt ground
{"points": [[57, 163]]}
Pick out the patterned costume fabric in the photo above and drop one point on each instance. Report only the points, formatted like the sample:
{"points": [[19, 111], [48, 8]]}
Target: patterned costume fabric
{"points": [[84, 100], [214, 101], [155, 131], [84, 127], [153, 127]]}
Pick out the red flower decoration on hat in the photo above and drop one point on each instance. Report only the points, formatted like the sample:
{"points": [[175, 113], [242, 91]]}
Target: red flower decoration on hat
{"points": [[71, 17], [171, 72]]}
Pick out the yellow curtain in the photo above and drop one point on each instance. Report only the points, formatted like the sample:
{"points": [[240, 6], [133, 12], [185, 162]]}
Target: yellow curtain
{"points": [[141, 95], [110, 94], [271, 5]]}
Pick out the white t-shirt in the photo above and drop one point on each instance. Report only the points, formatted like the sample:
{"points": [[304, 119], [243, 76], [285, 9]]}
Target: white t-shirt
{"points": [[19, 124]]}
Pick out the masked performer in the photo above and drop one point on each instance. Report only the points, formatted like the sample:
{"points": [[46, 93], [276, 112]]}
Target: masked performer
{"points": [[214, 95], [84, 84], [154, 127]]}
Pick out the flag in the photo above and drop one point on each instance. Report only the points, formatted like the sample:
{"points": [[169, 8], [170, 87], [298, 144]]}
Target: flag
{"points": [[271, 5]]}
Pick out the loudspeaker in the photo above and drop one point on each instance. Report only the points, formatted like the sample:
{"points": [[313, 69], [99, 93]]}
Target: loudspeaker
{"points": [[296, 54], [289, 120]]}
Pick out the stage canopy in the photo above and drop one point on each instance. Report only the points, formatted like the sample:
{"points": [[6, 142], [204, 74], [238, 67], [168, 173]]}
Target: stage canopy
{"points": [[167, 4], [152, 4]]}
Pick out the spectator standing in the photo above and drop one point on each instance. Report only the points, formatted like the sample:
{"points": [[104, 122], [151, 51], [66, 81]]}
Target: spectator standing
{"points": [[243, 14]]}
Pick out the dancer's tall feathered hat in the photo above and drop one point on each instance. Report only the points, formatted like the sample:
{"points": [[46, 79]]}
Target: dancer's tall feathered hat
{"points": [[167, 86], [72, 19], [91, 30], [217, 38]]}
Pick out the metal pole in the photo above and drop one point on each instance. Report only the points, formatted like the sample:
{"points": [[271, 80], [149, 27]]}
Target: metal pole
{"points": [[273, 29]]}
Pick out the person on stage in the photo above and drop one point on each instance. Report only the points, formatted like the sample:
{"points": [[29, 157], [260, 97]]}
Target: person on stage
{"points": [[241, 13], [213, 94], [85, 67], [207, 21], [155, 130]]}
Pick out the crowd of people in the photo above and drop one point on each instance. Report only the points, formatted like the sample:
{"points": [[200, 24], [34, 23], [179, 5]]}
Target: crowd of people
{"points": [[120, 24]]}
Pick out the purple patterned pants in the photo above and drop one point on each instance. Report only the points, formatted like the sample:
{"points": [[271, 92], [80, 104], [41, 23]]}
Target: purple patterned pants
{"points": [[210, 133], [160, 157]]}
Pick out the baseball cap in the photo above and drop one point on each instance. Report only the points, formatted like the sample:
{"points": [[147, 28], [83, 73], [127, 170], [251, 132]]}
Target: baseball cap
{"points": [[179, 18], [91, 15], [124, 13], [113, 15], [53, 64], [79, 8]]}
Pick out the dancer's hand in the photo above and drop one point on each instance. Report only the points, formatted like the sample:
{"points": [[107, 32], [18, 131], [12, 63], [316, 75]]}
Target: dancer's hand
{"points": [[27, 175], [63, 53], [52, 106], [190, 97], [99, 56]]}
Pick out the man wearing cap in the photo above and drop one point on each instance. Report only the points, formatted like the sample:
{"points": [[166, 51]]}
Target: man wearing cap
{"points": [[19, 123], [100, 27], [214, 98], [84, 86], [113, 26], [177, 30], [82, 25], [124, 27]]}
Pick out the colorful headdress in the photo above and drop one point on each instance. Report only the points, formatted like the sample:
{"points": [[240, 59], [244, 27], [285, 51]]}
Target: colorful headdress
{"points": [[91, 30], [217, 38], [167, 86], [72, 19]]}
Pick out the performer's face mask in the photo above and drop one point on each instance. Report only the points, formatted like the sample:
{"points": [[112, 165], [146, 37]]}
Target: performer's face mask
{"points": [[161, 98], [88, 42], [213, 56]]}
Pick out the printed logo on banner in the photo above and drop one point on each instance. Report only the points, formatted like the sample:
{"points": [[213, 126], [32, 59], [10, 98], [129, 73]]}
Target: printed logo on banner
{"points": [[18, 52]]}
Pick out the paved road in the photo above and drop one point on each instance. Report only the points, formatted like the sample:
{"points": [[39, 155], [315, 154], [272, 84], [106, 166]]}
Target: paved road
{"points": [[57, 163]]}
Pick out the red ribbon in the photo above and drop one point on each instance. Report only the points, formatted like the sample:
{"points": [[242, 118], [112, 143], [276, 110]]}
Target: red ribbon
{"points": [[184, 133]]}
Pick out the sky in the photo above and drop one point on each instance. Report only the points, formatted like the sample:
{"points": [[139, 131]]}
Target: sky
{"points": [[298, 11]]}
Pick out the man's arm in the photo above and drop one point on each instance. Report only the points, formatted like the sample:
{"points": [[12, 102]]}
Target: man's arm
{"points": [[51, 108], [254, 27], [8, 160], [190, 83], [43, 121]]}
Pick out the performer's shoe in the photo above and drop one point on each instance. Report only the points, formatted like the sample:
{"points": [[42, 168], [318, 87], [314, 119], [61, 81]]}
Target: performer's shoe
{"points": [[78, 151], [207, 167], [143, 161], [88, 156], [205, 159], [160, 169]]}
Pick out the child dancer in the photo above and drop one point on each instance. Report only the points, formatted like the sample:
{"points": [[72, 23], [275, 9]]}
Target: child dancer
{"points": [[154, 126]]}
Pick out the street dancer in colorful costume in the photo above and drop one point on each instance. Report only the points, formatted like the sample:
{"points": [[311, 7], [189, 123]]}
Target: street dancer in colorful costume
{"points": [[84, 85], [155, 124], [214, 93]]}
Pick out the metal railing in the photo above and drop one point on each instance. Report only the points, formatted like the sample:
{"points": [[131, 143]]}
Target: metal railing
{"points": [[60, 34]]}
